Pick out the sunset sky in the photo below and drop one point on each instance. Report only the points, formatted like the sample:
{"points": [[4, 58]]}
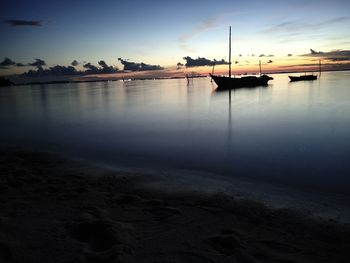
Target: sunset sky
{"points": [[163, 32]]}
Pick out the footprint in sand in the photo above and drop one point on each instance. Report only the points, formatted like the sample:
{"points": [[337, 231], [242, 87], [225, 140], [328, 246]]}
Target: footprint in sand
{"points": [[225, 244], [189, 256], [99, 232], [162, 213]]}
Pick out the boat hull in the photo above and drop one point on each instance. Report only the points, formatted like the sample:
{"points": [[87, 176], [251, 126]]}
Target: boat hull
{"points": [[305, 77], [234, 83]]}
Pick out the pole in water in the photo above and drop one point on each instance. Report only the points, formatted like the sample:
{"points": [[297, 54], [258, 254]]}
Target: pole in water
{"points": [[212, 71], [260, 66], [229, 55]]}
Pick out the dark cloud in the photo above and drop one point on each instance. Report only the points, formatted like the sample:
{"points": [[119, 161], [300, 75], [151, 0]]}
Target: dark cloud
{"points": [[15, 23], [62, 70], [240, 55], [236, 62], [68, 70], [179, 65], [270, 61], [290, 55], [90, 67], [103, 64], [335, 55], [262, 55], [52, 71], [74, 63], [313, 52], [270, 56], [105, 68], [199, 62], [134, 66], [37, 63], [130, 65], [7, 62]]}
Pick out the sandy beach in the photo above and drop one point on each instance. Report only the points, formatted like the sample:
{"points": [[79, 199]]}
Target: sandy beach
{"points": [[54, 209]]}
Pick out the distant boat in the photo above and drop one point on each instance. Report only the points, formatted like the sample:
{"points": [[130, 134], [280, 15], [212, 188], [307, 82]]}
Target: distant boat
{"points": [[224, 82], [305, 77]]}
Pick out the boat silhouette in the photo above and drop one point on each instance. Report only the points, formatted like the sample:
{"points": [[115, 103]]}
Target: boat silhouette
{"points": [[303, 77], [306, 77], [227, 82]]}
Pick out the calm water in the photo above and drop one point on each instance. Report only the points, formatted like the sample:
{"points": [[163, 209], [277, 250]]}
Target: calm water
{"points": [[293, 133]]}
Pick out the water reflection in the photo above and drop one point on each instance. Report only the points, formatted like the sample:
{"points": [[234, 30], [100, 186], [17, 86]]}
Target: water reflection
{"points": [[292, 133]]}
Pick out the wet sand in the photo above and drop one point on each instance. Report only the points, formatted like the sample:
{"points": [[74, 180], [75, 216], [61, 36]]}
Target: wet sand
{"points": [[58, 210]]}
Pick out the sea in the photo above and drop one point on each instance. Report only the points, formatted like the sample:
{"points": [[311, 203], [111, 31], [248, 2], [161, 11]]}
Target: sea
{"points": [[294, 134]]}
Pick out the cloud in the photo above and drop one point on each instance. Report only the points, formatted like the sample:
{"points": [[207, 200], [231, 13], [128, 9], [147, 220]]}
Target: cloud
{"points": [[59, 70], [270, 61], [7, 62], [335, 55], [205, 25], [16, 23], [313, 52], [37, 63], [290, 55], [199, 62], [90, 67], [297, 26], [179, 65], [52, 71], [75, 63], [262, 55], [104, 68], [134, 66]]}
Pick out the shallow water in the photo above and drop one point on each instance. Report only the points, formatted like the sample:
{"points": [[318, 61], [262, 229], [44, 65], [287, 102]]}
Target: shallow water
{"points": [[291, 133]]}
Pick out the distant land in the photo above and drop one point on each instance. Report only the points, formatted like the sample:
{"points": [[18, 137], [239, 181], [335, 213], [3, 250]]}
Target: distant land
{"points": [[11, 81]]}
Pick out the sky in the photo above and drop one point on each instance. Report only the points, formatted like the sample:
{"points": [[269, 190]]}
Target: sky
{"points": [[162, 33]]}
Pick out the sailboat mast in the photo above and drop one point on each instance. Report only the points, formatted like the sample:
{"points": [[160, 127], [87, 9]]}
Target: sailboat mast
{"points": [[260, 66], [319, 66], [229, 55]]}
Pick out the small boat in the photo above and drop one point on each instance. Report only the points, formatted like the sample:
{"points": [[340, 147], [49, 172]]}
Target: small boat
{"points": [[224, 82], [227, 82], [306, 77], [303, 77]]}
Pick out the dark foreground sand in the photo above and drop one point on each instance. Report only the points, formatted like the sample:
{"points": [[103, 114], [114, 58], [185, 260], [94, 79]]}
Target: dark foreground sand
{"points": [[56, 210]]}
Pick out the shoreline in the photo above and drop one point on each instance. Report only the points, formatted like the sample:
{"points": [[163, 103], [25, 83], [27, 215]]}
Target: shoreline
{"points": [[316, 203], [61, 210], [124, 79]]}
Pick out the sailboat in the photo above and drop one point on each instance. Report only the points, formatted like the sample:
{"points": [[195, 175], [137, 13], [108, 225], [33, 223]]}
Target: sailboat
{"points": [[224, 82], [305, 77]]}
